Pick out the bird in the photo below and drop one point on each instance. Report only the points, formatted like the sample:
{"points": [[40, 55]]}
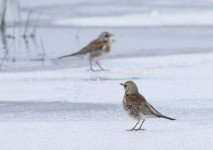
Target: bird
{"points": [[137, 106], [96, 49]]}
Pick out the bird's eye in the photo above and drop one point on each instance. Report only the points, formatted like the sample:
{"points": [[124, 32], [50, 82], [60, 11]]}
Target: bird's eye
{"points": [[106, 35], [125, 86]]}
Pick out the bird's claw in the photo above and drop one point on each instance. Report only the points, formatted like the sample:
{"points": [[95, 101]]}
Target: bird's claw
{"points": [[104, 70], [91, 70], [97, 70], [139, 129], [135, 129], [131, 130]]}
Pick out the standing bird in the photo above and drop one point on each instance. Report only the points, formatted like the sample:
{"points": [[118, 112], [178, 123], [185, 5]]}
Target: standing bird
{"points": [[136, 105], [96, 49]]}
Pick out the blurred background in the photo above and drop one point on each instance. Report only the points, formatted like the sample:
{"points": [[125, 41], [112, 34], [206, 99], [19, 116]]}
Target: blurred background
{"points": [[34, 33]]}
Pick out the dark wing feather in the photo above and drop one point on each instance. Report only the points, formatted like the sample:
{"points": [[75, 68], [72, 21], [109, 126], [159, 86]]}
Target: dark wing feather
{"points": [[93, 46], [137, 100]]}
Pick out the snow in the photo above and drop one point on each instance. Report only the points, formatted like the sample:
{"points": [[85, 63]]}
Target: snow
{"points": [[150, 73], [101, 135], [78, 109]]}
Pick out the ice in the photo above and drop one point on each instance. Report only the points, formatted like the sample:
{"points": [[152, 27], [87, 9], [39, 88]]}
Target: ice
{"points": [[154, 18], [78, 109], [104, 135], [172, 73]]}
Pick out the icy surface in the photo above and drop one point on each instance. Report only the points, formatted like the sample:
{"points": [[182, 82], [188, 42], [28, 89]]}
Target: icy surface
{"points": [[153, 18], [115, 13], [78, 109]]}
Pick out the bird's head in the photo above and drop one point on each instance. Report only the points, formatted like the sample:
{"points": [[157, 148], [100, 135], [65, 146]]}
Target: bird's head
{"points": [[130, 87], [105, 36]]}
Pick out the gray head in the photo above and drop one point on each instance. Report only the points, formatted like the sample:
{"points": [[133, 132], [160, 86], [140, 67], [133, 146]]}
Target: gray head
{"points": [[105, 36], [130, 87]]}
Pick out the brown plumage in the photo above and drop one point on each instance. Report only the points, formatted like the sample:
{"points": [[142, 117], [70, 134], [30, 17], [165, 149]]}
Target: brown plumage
{"points": [[137, 106], [95, 49], [95, 46]]}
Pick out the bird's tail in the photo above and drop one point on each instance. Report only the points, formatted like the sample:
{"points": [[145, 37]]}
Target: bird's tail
{"points": [[68, 55], [162, 116]]}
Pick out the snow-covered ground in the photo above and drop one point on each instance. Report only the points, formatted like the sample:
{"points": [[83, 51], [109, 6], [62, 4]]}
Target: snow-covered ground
{"points": [[78, 109]]}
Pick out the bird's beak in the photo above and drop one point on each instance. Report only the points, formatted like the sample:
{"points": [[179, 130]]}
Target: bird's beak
{"points": [[112, 35], [122, 84]]}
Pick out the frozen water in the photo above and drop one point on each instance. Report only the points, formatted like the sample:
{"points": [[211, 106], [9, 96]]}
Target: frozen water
{"points": [[145, 19], [77, 109]]}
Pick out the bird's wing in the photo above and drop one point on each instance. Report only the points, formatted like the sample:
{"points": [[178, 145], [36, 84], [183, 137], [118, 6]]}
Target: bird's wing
{"points": [[93, 46], [137, 100]]}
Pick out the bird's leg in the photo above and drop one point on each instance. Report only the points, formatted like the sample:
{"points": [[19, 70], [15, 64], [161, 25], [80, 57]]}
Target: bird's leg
{"points": [[134, 127], [100, 66], [140, 126], [90, 63]]}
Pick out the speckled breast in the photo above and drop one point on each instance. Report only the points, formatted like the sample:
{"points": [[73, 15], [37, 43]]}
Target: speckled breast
{"points": [[132, 111]]}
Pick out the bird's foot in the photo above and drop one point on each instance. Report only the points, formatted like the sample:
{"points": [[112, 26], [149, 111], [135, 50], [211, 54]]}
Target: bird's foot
{"points": [[97, 70], [104, 69], [91, 70], [131, 130], [139, 129]]}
